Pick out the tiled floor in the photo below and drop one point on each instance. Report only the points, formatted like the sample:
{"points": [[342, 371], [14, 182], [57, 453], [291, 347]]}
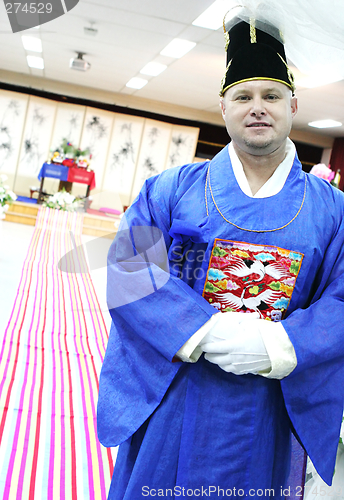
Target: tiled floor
{"points": [[14, 244]]}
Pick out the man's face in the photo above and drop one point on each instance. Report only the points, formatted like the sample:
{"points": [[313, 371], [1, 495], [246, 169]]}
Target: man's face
{"points": [[258, 115]]}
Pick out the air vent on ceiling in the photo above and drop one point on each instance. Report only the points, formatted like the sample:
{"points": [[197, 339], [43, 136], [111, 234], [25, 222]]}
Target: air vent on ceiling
{"points": [[91, 30]]}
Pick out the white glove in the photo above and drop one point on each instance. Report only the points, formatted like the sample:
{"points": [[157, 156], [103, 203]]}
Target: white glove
{"points": [[236, 345], [223, 325]]}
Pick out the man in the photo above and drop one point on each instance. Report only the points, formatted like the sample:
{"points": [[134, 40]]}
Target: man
{"points": [[202, 403], [258, 118]]}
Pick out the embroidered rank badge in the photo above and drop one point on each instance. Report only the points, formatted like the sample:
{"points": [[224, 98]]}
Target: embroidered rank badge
{"points": [[245, 277]]}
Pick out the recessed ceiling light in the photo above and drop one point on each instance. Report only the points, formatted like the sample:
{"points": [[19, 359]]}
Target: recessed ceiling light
{"points": [[212, 17], [325, 124], [32, 43], [153, 69], [177, 48], [35, 62], [136, 83]]}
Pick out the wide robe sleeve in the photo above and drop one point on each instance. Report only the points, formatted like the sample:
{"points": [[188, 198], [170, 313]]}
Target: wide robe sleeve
{"points": [[154, 313], [314, 391]]}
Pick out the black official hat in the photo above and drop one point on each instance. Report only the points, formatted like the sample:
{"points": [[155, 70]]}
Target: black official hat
{"points": [[254, 54]]}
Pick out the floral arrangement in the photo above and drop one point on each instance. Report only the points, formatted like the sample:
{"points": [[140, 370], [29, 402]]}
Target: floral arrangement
{"points": [[62, 201], [67, 152], [71, 151], [6, 196]]}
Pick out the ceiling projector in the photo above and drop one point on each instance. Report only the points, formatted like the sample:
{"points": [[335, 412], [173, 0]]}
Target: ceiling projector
{"points": [[78, 63]]}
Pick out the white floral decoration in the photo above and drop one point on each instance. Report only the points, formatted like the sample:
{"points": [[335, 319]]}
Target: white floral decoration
{"points": [[62, 201], [6, 196]]}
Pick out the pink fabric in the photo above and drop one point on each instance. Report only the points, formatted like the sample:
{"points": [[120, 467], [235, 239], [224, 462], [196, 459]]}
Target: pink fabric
{"points": [[92, 211], [110, 211]]}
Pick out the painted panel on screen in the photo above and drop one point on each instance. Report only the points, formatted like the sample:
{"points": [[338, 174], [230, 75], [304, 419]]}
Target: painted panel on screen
{"points": [[68, 124], [37, 135], [96, 137], [153, 152], [182, 146], [123, 155], [12, 117]]}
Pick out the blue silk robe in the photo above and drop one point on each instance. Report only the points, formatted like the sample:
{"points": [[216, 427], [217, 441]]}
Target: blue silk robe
{"points": [[194, 425]]}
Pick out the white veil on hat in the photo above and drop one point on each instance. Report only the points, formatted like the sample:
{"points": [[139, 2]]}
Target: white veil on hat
{"points": [[313, 30]]}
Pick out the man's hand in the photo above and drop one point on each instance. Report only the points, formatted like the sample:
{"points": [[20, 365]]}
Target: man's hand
{"points": [[235, 344]]}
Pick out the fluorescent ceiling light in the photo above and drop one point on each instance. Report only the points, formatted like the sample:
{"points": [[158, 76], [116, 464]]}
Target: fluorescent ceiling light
{"points": [[212, 17], [153, 69], [35, 62], [177, 48], [32, 43], [136, 83], [313, 81], [325, 124]]}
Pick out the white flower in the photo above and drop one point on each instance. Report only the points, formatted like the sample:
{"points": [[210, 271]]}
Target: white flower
{"points": [[69, 198], [62, 201], [12, 195]]}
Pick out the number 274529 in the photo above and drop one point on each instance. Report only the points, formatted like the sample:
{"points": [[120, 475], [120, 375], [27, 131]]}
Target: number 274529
{"points": [[28, 8]]}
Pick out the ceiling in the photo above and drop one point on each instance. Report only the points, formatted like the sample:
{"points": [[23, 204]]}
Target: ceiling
{"points": [[131, 34]]}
